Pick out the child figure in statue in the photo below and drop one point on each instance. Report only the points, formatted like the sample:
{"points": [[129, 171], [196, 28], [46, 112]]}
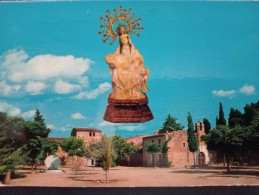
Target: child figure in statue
{"points": [[129, 76]]}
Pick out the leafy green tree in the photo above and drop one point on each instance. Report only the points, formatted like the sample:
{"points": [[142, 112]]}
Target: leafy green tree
{"points": [[73, 146], [153, 147], [251, 114], [38, 117], [36, 131], [10, 157], [226, 141], [48, 148], [122, 149], [220, 120], [3, 117], [251, 118], [129, 150], [107, 155], [192, 138], [235, 118], [207, 125], [171, 123], [12, 128]]}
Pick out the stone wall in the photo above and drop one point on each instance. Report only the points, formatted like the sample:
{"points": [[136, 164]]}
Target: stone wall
{"points": [[89, 137], [178, 152]]}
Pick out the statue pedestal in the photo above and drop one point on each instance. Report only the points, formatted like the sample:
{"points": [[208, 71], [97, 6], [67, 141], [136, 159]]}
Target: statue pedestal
{"points": [[128, 111]]}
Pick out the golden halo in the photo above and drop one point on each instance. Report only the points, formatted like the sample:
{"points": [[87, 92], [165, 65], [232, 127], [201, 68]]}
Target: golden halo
{"points": [[110, 19]]}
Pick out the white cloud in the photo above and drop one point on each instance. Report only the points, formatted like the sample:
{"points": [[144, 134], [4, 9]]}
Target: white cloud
{"points": [[62, 87], [6, 89], [132, 127], [54, 128], [102, 88], [77, 116], [43, 67], [106, 124], [223, 93], [28, 114], [10, 109], [35, 88], [36, 74], [50, 126], [247, 89]]}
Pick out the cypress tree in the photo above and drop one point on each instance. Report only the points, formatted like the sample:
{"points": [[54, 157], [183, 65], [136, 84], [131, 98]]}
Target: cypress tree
{"points": [[192, 139], [207, 125], [221, 119]]}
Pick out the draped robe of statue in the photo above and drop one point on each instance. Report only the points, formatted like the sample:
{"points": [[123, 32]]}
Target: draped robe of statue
{"points": [[127, 102], [129, 76]]}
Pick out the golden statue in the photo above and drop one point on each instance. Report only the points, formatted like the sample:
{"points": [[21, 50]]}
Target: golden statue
{"points": [[126, 65]]}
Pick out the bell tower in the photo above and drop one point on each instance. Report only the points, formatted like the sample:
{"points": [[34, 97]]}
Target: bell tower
{"points": [[200, 130]]}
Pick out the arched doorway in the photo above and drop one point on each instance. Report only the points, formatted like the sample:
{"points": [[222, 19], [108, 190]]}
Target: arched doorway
{"points": [[202, 158]]}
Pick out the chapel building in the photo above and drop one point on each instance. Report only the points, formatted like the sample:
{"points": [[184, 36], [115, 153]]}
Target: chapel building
{"points": [[178, 154]]}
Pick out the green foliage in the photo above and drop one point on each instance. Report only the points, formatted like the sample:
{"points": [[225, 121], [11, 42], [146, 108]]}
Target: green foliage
{"points": [[73, 146], [10, 156], [48, 148], [38, 117], [107, 153], [251, 115], [226, 141], [171, 123], [207, 125], [122, 149], [235, 118], [192, 139], [12, 128], [152, 147], [221, 119], [164, 149], [37, 133]]}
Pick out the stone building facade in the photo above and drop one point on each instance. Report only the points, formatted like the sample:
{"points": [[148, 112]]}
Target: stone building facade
{"points": [[202, 156], [89, 135], [178, 154]]}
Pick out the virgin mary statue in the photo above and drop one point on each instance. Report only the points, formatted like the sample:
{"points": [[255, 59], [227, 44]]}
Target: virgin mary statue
{"points": [[127, 102], [129, 76]]}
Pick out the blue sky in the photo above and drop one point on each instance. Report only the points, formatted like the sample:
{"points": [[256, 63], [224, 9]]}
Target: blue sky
{"points": [[198, 54]]}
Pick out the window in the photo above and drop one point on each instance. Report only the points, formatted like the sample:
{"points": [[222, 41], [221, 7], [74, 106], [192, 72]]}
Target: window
{"points": [[90, 134], [93, 133], [159, 141], [183, 145], [152, 141]]}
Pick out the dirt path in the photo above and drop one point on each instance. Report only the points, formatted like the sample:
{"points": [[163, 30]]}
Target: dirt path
{"points": [[138, 176]]}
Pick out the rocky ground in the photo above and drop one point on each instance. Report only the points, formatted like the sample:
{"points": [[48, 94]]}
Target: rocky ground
{"points": [[138, 177]]}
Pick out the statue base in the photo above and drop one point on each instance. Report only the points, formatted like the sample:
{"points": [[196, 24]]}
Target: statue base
{"points": [[128, 111]]}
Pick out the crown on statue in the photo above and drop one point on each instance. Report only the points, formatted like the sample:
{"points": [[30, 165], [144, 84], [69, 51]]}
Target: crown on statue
{"points": [[125, 21]]}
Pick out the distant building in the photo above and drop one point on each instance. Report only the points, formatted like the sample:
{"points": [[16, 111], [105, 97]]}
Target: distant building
{"points": [[89, 135], [178, 154]]}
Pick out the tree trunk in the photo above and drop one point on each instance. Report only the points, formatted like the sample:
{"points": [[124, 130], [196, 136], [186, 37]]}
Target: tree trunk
{"points": [[228, 164], [7, 179], [154, 160], [106, 174], [224, 160], [32, 168], [194, 159]]}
